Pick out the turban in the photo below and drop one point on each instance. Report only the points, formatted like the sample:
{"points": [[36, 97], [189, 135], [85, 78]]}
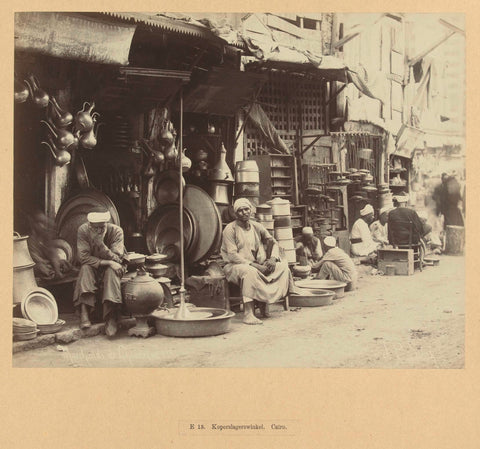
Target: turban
{"points": [[368, 209], [307, 230], [98, 217], [330, 241], [241, 202]]}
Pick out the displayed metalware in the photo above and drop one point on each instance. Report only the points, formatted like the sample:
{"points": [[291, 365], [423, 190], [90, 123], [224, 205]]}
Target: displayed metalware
{"points": [[23, 282], [324, 284], [25, 336], [301, 270], [283, 233], [166, 187], [21, 92], [264, 209], [141, 296], [60, 118], [247, 189], [206, 214], [287, 244], [318, 298], [156, 258], [246, 171], [218, 190], [263, 217], [84, 118], [39, 97], [221, 171], [21, 254], [282, 221], [39, 306], [163, 231], [61, 157], [64, 139], [51, 328], [279, 206], [201, 322], [157, 270]]}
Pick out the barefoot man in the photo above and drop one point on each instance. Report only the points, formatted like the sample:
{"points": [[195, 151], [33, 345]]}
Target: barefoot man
{"points": [[253, 262]]}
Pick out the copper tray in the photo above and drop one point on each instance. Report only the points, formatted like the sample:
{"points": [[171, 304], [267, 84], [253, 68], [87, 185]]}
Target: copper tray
{"points": [[206, 214], [166, 187], [163, 235]]}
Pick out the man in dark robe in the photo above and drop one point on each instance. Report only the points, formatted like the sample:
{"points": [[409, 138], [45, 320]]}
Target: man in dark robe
{"points": [[101, 251]]}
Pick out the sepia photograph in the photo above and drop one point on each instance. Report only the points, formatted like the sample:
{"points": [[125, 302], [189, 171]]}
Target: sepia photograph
{"points": [[239, 190]]}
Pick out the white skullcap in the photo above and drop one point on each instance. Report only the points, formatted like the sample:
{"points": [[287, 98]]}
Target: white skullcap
{"points": [[98, 217], [241, 202], [330, 241], [307, 230], [368, 209], [386, 208]]}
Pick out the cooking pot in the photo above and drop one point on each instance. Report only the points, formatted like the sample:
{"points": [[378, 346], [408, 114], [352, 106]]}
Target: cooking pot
{"points": [[301, 270], [286, 244], [156, 258], [219, 192], [283, 233], [142, 294], [247, 188], [23, 282], [280, 206], [21, 254], [157, 269], [264, 209], [312, 299]]}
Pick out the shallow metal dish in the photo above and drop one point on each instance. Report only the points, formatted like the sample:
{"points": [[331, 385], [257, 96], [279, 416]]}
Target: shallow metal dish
{"points": [[218, 323], [316, 298], [323, 284]]}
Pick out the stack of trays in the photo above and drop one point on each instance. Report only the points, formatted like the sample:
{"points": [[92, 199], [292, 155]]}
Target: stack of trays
{"points": [[265, 217], [24, 329], [283, 228]]}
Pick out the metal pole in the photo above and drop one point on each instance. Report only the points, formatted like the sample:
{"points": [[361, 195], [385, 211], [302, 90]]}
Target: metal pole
{"points": [[182, 312]]}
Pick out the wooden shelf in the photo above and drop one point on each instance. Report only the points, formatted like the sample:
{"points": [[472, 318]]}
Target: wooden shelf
{"points": [[281, 177]]}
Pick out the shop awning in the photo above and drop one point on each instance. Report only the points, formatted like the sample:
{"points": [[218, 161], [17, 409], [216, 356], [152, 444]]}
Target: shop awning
{"points": [[222, 91], [73, 36]]}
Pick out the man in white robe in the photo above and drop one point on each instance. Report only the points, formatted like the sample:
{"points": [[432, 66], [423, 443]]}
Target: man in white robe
{"points": [[361, 238], [253, 262]]}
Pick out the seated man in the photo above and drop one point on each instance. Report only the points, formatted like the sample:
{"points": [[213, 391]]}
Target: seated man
{"points": [[361, 238], [253, 262], [337, 265], [100, 250], [404, 224], [379, 228], [310, 247]]}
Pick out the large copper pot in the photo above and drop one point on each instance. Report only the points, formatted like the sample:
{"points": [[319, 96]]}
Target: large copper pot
{"points": [[142, 294]]}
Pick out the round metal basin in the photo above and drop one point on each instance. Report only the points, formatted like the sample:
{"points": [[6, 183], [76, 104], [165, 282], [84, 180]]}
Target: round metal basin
{"points": [[315, 298], [202, 322], [324, 284]]}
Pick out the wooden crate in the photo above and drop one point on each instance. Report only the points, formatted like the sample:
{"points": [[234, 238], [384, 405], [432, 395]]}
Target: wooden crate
{"points": [[401, 259]]}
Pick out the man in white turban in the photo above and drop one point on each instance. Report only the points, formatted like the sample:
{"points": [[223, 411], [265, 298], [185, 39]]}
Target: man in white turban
{"points": [[337, 265], [101, 251], [361, 238], [310, 247], [253, 262]]}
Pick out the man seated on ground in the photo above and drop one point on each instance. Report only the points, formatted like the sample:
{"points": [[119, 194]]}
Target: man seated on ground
{"points": [[361, 238], [404, 224], [43, 248], [379, 228], [337, 265], [253, 262], [101, 251], [309, 247]]}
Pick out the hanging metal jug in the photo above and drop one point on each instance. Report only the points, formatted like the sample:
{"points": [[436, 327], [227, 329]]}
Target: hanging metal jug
{"points": [[221, 171]]}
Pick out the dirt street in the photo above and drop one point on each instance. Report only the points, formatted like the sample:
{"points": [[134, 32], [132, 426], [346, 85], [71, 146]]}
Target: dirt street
{"points": [[388, 322]]}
